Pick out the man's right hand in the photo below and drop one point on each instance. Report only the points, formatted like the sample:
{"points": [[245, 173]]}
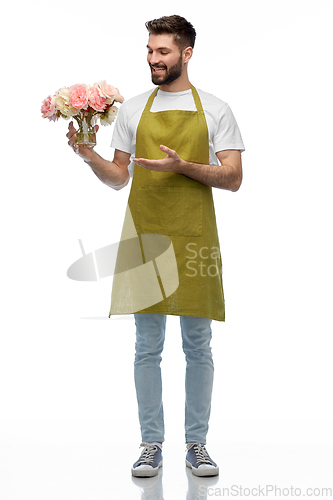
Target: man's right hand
{"points": [[83, 151], [113, 173]]}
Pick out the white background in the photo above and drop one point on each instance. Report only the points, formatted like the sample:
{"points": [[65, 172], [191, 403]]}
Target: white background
{"points": [[66, 369]]}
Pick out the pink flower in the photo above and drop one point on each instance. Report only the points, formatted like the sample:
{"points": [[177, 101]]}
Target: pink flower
{"points": [[108, 91], [53, 118], [48, 108], [78, 95], [118, 98], [96, 100]]}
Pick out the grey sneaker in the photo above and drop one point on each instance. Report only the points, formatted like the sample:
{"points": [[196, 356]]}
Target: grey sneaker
{"points": [[199, 461], [149, 462]]}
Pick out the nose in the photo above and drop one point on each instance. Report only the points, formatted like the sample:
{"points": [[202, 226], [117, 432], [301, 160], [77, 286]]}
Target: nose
{"points": [[153, 58]]}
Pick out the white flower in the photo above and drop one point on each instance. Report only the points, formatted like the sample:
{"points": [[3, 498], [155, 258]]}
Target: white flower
{"points": [[63, 104], [109, 117]]}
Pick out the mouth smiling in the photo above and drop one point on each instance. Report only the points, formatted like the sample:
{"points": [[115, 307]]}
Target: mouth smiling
{"points": [[157, 69]]}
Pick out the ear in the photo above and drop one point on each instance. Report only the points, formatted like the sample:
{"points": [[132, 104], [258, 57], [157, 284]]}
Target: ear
{"points": [[187, 54]]}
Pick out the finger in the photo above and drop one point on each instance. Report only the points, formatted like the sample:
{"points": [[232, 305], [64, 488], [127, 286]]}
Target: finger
{"points": [[72, 141], [71, 133], [75, 148], [141, 162], [145, 163], [166, 149], [96, 128]]}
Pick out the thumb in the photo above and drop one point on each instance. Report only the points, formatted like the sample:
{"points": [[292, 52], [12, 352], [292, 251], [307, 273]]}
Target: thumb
{"points": [[166, 149], [96, 128]]}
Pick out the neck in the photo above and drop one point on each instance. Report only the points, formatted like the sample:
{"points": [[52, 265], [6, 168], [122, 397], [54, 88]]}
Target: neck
{"points": [[182, 83]]}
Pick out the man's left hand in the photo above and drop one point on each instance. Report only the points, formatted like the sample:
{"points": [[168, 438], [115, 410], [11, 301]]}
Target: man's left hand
{"points": [[171, 163]]}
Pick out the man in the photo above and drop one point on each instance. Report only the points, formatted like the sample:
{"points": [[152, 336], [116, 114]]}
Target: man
{"points": [[177, 143]]}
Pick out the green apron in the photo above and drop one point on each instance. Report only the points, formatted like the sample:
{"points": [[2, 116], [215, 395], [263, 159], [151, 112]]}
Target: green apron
{"points": [[183, 278]]}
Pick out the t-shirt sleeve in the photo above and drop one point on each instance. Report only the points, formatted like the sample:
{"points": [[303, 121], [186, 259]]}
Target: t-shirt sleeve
{"points": [[121, 138], [227, 134]]}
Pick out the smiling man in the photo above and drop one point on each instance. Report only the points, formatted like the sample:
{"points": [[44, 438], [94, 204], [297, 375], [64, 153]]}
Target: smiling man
{"points": [[162, 74], [176, 142]]}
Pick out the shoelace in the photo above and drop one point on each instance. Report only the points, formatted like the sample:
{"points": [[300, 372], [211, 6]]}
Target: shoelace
{"points": [[147, 455], [200, 453]]}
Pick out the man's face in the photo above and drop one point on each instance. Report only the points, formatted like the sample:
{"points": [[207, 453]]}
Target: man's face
{"points": [[164, 59]]}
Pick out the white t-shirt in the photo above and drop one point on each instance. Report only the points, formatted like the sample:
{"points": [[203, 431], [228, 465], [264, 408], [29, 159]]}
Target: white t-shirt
{"points": [[223, 131]]}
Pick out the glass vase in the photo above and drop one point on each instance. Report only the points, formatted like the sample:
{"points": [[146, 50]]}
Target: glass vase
{"points": [[85, 136]]}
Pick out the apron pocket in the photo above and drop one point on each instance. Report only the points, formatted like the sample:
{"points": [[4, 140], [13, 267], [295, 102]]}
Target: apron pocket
{"points": [[172, 211]]}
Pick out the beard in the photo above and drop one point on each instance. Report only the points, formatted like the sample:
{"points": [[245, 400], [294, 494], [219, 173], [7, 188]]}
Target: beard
{"points": [[170, 75]]}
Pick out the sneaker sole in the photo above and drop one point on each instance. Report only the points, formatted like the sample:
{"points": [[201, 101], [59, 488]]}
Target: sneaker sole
{"points": [[139, 472], [203, 472]]}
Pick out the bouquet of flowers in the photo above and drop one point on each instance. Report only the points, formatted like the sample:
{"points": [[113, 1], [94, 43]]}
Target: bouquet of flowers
{"points": [[85, 103]]}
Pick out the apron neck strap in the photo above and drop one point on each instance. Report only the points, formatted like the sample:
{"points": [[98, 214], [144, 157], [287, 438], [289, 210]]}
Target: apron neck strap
{"points": [[150, 100], [196, 99]]}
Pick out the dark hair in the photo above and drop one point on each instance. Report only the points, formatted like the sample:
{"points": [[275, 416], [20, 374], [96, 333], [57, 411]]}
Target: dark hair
{"points": [[183, 31]]}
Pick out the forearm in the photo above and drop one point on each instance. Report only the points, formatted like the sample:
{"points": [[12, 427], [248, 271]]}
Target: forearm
{"points": [[107, 171], [219, 176]]}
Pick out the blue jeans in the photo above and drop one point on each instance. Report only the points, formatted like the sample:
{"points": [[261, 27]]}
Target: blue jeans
{"points": [[196, 336]]}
